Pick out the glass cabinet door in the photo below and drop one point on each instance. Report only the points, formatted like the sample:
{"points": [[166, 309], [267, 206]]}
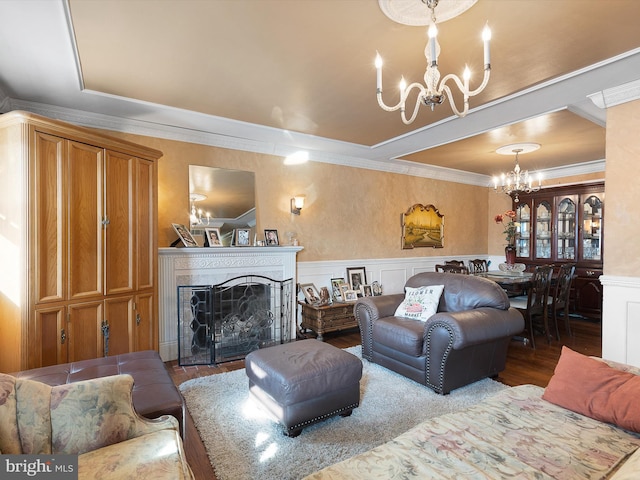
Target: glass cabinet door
{"points": [[543, 230], [566, 228], [523, 231], [592, 227]]}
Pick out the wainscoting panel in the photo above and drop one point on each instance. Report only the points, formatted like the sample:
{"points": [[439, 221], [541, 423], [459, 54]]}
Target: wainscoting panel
{"points": [[621, 319], [391, 273]]}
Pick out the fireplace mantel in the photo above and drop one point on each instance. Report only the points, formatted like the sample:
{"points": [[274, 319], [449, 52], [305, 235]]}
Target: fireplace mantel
{"points": [[210, 266]]}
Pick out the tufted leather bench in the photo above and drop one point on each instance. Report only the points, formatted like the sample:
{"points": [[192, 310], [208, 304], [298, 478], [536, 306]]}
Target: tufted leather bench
{"points": [[304, 382], [154, 393]]}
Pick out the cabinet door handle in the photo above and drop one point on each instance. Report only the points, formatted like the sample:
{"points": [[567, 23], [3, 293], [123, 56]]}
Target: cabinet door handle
{"points": [[590, 273], [137, 319], [105, 221], [105, 335], [63, 336]]}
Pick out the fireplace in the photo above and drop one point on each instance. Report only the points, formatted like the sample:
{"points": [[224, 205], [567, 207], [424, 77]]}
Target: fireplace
{"points": [[225, 322]]}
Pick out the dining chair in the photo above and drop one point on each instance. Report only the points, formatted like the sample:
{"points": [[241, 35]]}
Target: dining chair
{"points": [[450, 268], [478, 266], [560, 300], [536, 303], [459, 263]]}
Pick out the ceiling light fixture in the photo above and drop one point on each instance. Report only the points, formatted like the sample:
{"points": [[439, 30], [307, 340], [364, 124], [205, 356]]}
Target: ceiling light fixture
{"points": [[516, 182], [436, 91]]}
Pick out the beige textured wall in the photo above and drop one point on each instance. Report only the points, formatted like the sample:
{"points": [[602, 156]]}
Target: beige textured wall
{"points": [[349, 213], [622, 192]]}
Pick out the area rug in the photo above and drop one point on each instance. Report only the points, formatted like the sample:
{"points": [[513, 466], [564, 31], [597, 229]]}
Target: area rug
{"points": [[243, 442]]}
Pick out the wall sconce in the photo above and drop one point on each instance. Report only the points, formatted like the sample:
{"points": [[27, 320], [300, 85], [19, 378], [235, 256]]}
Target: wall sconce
{"points": [[297, 203]]}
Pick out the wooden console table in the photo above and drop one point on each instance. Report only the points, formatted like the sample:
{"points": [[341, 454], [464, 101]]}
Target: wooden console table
{"points": [[328, 318]]}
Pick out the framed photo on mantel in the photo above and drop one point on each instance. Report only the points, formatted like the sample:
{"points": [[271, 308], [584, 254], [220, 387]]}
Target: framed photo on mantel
{"points": [[184, 236], [271, 238], [212, 237], [242, 237]]}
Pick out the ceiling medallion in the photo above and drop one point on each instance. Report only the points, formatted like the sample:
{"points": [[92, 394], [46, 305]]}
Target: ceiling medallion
{"points": [[435, 91], [413, 13]]}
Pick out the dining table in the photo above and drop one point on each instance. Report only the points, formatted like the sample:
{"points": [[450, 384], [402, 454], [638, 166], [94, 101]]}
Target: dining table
{"points": [[514, 283]]}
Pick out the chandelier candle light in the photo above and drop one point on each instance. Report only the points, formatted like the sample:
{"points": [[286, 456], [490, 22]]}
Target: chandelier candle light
{"points": [[435, 92]]}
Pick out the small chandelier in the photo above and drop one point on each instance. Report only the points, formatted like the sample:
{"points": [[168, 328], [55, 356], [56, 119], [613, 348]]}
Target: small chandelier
{"points": [[436, 90], [516, 182], [196, 214]]}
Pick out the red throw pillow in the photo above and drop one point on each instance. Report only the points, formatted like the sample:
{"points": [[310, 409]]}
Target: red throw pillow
{"points": [[594, 389]]}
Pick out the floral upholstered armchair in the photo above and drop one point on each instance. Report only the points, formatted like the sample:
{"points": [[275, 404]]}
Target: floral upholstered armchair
{"points": [[95, 420]]}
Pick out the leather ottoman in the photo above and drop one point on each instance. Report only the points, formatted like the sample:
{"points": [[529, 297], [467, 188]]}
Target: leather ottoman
{"points": [[305, 382]]}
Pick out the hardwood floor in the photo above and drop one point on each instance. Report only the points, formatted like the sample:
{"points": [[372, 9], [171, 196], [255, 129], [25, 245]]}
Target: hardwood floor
{"points": [[524, 365]]}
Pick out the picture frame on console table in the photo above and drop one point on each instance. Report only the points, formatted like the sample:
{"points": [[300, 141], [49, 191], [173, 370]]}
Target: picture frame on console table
{"points": [[310, 292], [184, 236], [336, 293], [343, 290], [351, 295], [356, 277]]}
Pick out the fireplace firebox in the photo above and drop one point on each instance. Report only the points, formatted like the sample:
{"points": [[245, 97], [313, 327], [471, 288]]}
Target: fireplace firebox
{"points": [[225, 322]]}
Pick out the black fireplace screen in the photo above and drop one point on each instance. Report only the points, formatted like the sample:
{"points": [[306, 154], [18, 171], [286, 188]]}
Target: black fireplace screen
{"points": [[225, 322]]}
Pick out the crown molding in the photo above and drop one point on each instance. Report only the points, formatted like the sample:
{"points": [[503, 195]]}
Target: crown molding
{"points": [[595, 166], [169, 132], [611, 97]]}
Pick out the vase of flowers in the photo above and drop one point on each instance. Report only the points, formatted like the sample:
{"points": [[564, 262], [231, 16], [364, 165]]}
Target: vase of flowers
{"points": [[507, 219]]}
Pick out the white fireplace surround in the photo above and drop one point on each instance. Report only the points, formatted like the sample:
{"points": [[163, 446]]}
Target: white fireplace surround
{"points": [[210, 266]]}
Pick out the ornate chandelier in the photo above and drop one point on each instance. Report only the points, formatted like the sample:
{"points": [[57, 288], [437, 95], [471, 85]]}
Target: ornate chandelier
{"points": [[516, 181], [435, 91]]}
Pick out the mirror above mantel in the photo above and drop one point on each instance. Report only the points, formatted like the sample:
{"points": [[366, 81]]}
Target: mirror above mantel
{"points": [[221, 198]]}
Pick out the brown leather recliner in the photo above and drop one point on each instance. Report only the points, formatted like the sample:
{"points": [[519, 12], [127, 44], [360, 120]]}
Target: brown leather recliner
{"points": [[465, 341]]}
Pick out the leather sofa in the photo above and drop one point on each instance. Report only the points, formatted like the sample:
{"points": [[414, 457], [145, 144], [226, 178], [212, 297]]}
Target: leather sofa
{"points": [[466, 340], [154, 393]]}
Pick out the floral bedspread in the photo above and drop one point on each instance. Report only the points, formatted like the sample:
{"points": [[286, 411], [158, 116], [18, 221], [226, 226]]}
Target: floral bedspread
{"points": [[514, 434]]}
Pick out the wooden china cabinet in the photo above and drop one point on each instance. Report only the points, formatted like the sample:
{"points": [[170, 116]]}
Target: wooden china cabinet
{"points": [[565, 225], [78, 225]]}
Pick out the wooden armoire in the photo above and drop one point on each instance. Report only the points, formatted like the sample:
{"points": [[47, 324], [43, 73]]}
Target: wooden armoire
{"points": [[78, 250]]}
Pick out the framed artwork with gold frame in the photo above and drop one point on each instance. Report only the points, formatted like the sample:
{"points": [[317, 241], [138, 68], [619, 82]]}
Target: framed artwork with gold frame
{"points": [[422, 226]]}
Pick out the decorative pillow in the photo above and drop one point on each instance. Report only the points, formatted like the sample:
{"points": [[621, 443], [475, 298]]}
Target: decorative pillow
{"points": [[91, 414], [594, 389], [420, 303]]}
